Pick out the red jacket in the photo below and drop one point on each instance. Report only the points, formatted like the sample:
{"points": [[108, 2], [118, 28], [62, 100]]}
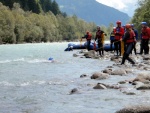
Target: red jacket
{"points": [[145, 33], [131, 38], [89, 36], [119, 32]]}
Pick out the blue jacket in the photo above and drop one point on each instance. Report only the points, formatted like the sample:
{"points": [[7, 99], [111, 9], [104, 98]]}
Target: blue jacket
{"points": [[136, 33]]}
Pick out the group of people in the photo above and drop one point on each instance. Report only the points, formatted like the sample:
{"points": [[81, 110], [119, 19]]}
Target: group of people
{"points": [[124, 39]]}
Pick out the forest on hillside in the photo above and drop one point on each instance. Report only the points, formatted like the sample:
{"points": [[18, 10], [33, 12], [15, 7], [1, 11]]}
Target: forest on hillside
{"points": [[20, 24], [36, 6], [142, 13]]}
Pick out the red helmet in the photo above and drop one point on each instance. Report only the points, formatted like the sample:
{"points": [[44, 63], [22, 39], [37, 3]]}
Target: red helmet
{"points": [[128, 26], [118, 22], [87, 32]]}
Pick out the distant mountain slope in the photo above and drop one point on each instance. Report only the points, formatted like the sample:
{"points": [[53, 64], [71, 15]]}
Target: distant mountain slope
{"points": [[92, 11]]}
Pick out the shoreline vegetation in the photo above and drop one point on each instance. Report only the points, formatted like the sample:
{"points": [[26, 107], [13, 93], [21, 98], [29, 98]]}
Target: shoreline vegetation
{"points": [[23, 26], [18, 26], [36, 21]]}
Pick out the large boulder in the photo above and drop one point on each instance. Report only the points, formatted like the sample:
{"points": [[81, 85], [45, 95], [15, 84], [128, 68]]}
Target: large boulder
{"points": [[108, 71], [144, 87], [146, 57], [128, 70], [90, 54], [99, 76], [118, 72], [135, 109], [100, 86], [143, 76]]}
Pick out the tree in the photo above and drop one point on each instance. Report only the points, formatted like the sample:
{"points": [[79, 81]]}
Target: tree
{"points": [[55, 8]]}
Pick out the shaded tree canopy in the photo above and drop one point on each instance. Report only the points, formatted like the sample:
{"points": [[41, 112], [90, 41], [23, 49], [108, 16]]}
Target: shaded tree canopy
{"points": [[142, 13], [36, 6]]}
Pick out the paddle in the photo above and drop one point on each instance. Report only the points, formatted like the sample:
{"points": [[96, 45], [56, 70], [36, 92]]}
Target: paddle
{"points": [[122, 47], [94, 46]]}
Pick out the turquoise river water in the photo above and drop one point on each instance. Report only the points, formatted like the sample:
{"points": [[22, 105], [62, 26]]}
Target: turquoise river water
{"points": [[30, 83]]}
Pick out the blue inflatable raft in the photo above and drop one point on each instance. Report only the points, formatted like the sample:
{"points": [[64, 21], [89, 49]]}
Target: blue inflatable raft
{"points": [[72, 46]]}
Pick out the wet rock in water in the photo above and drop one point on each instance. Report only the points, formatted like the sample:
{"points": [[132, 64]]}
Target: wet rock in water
{"points": [[109, 66], [122, 82], [113, 58], [146, 68], [99, 86], [129, 70], [83, 75], [73, 91], [75, 55], [137, 83], [90, 54], [146, 57], [143, 76], [82, 51], [99, 76], [141, 65], [135, 109], [108, 71], [118, 72], [129, 93], [114, 86], [144, 87]]}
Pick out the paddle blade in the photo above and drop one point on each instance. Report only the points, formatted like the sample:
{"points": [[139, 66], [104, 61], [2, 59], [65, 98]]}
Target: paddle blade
{"points": [[94, 46], [122, 48]]}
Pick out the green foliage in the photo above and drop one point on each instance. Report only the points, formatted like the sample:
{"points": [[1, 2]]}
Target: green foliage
{"points": [[36, 6], [142, 13], [18, 26]]}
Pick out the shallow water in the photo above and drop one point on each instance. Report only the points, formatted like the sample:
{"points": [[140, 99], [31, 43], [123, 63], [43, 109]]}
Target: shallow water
{"points": [[30, 83]]}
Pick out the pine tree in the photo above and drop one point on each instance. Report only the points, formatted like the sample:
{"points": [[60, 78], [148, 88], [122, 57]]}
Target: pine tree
{"points": [[55, 8], [34, 6]]}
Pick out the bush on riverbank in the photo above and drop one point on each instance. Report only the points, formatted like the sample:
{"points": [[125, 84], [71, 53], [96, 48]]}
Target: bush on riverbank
{"points": [[18, 26]]}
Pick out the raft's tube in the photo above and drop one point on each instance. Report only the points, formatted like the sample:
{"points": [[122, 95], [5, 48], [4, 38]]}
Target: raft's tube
{"points": [[83, 46], [76, 46]]}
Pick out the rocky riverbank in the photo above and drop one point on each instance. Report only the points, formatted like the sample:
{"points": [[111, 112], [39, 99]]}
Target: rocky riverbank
{"points": [[140, 73]]}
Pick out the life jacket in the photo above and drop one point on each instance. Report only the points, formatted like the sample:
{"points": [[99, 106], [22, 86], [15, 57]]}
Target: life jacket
{"points": [[131, 38], [119, 32], [112, 36], [145, 33], [89, 37], [99, 34]]}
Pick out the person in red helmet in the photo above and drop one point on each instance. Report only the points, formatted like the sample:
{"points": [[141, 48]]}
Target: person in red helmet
{"points": [[145, 36], [88, 37], [129, 39], [119, 32]]}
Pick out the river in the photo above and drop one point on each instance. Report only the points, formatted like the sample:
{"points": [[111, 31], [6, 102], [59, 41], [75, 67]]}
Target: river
{"points": [[30, 83]]}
